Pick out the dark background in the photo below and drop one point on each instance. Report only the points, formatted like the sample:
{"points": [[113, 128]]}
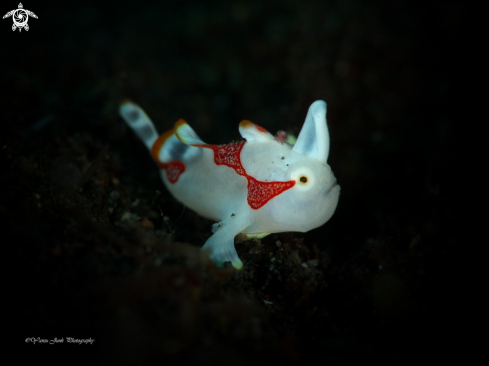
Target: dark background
{"points": [[386, 71]]}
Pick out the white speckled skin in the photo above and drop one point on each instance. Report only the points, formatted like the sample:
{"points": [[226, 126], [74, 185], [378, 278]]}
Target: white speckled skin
{"points": [[219, 193], [206, 195]]}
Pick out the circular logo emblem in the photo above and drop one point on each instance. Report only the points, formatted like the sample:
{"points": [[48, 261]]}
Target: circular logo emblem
{"points": [[20, 17]]}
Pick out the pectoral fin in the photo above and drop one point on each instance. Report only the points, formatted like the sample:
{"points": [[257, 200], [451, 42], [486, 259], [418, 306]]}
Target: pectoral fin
{"points": [[221, 244]]}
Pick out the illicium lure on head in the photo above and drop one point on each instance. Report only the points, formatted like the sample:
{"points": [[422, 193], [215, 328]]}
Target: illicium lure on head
{"points": [[255, 187]]}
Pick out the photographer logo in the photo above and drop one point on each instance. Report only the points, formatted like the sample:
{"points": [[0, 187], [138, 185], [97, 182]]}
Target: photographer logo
{"points": [[20, 17]]}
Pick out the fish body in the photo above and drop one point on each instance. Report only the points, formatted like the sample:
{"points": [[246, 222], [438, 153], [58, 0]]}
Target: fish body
{"points": [[255, 187]]}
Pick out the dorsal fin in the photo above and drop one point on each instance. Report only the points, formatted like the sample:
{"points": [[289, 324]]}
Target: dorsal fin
{"points": [[186, 134], [313, 139], [251, 131]]}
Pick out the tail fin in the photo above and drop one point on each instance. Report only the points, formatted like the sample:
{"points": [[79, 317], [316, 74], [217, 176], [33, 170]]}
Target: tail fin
{"points": [[139, 122]]}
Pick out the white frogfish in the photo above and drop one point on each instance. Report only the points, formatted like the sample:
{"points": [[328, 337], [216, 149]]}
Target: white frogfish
{"points": [[255, 187]]}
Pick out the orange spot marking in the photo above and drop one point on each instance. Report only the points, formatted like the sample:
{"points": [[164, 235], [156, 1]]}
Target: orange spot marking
{"points": [[179, 123], [173, 170], [158, 144], [248, 124], [259, 193], [126, 100]]}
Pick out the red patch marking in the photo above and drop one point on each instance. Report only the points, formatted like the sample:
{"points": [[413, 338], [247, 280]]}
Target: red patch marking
{"points": [[173, 170], [229, 155], [259, 193]]}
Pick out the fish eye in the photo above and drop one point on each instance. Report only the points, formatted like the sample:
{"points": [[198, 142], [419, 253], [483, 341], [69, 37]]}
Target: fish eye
{"points": [[304, 178]]}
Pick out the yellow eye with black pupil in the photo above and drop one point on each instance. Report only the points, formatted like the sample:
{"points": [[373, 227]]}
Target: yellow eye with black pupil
{"points": [[303, 179]]}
